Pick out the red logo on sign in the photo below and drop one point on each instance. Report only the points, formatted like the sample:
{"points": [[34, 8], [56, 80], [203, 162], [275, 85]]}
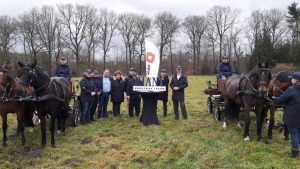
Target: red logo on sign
{"points": [[150, 57]]}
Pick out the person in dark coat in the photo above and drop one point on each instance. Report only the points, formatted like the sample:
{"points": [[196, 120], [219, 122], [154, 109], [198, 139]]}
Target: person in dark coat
{"points": [[291, 116], [134, 97], [105, 90], [87, 93], [117, 92], [63, 69], [225, 69], [163, 80], [96, 80], [178, 84], [129, 78]]}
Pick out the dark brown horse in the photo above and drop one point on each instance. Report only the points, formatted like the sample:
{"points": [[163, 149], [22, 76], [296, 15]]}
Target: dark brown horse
{"points": [[10, 90], [53, 96], [248, 91], [279, 83]]}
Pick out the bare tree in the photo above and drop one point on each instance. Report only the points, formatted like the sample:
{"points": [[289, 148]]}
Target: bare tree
{"points": [[194, 27], [74, 19], [212, 37], [108, 21], [277, 25], [47, 26], [253, 28], [167, 25], [8, 35], [128, 29], [28, 23], [143, 31], [91, 32], [221, 19]]}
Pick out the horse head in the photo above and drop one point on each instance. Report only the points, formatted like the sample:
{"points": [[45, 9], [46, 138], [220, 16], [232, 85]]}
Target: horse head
{"points": [[33, 75], [279, 83], [260, 77], [6, 81]]}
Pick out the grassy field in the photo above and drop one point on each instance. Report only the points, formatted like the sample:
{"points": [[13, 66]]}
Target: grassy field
{"points": [[199, 142]]}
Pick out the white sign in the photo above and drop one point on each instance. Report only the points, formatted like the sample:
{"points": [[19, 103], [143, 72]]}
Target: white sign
{"points": [[152, 61]]}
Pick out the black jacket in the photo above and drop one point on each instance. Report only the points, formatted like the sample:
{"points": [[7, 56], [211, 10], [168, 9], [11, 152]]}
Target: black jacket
{"points": [[127, 80], [131, 83], [117, 91], [163, 82], [181, 83], [225, 70], [63, 71], [86, 87], [291, 101]]}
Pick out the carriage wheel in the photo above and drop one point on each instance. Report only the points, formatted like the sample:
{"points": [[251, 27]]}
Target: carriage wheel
{"points": [[217, 110], [76, 112], [209, 105]]}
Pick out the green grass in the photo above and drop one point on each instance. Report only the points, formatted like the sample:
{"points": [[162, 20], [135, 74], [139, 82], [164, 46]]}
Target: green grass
{"points": [[199, 142]]}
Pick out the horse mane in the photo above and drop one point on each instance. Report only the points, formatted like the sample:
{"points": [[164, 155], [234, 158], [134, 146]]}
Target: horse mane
{"points": [[283, 76]]}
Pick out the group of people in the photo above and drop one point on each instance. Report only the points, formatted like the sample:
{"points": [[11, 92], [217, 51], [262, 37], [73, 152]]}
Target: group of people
{"points": [[96, 91]]}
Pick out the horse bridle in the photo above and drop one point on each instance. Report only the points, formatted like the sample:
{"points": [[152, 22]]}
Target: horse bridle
{"points": [[8, 87]]}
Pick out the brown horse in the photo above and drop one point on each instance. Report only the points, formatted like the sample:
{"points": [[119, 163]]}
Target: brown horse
{"points": [[53, 94], [279, 83], [248, 91], [11, 88]]}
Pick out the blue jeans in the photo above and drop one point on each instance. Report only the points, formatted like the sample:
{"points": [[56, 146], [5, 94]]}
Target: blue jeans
{"points": [[103, 102], [85, 114], [295, 137]]}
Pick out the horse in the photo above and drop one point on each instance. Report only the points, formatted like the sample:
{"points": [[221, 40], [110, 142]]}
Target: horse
{"points": [[11, 89], [53, 97], [279, 83], [248, 91]]}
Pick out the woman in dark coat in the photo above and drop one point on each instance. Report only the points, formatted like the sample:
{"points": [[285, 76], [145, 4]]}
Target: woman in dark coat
{"points": [[291, 116], [117, 92], [87, 93]]}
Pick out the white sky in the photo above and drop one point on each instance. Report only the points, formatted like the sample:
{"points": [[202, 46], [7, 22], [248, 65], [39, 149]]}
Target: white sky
{"points": [[181, 8]]}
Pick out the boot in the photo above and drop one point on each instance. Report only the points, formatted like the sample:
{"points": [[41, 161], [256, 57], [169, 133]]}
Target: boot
{"points": [[294, 153]]}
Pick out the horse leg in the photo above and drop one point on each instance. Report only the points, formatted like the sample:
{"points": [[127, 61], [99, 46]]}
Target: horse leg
{"points": [[4, 129], [238, 120], [43, 129], [259, 119], [247, 123], [20, 119], [227, 104], [271, 122], [59, 125], [52, 130], [286, 132]]}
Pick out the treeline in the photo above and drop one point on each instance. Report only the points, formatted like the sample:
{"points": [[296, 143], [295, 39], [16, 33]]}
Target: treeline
{"points": [[92, 37]]}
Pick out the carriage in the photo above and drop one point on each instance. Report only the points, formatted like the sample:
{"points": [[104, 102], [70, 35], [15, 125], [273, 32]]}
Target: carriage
{"points": [[215, 100]]}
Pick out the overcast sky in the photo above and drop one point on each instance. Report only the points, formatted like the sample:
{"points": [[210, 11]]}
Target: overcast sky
{"points": [[181, 8]]}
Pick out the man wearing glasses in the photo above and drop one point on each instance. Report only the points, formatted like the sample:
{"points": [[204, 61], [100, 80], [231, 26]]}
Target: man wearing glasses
{"points": [[225, 69], [178, 84]]}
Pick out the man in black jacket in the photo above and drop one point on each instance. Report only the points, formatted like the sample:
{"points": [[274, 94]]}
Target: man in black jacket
{"points": [[87, 93], [225, 69], [163, 80], [291, 116], [96, 80], [104, 93], [63, 69], [134, 97], [178, 84]]}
